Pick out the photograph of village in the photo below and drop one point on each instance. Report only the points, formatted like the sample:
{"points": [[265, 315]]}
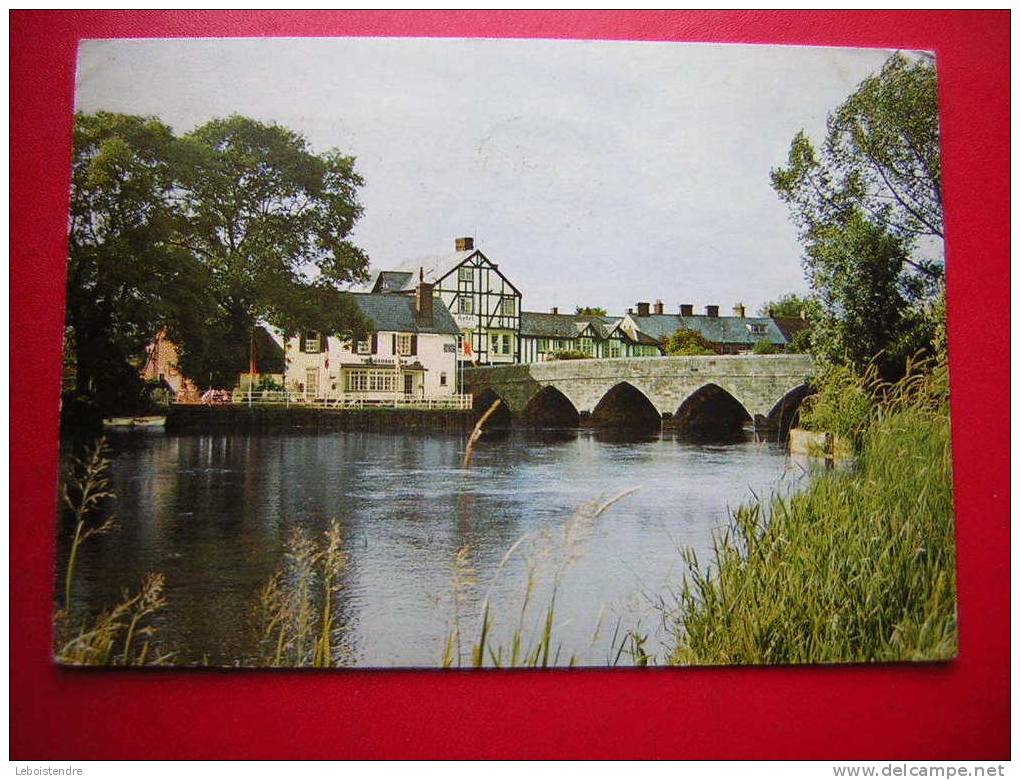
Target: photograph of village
{"points": [[503, 353]]}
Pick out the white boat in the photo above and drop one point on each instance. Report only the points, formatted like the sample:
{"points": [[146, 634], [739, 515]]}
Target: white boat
{"points": [[134, 422]]}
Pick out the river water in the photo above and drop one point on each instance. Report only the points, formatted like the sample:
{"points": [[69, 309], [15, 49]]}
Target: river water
{"points": [[213, 513]]}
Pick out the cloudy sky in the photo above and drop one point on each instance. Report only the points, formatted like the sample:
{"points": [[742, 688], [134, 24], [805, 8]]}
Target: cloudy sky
{"points": [[596, 173]]}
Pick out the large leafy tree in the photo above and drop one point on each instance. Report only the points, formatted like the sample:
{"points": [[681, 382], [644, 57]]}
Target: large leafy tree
{"points": [[791, 305], [126, 277], [269, 221], [868, 207]]}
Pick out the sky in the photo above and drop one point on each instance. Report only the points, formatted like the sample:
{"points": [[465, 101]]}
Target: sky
{"points": [[593, 173]]}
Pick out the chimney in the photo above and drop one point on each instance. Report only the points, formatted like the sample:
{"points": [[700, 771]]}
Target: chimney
{"points": [[711, 311], [739, 310], [464, 244], [630, 311], [769, 312], [686, 310], [423, 300], [642, 308], [658, 307], [554, 310]]}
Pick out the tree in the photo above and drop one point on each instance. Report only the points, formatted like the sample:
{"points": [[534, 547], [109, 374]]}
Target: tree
{"points": [[856, 267], [125, 277], [269, 220], [591, 311], [868, 207], [793, 306], [688, 342], [764, 347]]}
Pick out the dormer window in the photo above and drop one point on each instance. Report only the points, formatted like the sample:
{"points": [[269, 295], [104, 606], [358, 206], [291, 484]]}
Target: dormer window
{"points": [[312, 342], [757, 328]]}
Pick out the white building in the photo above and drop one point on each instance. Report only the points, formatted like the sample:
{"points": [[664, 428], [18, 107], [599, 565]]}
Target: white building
{"points": [[484, 303], [410, 353]]}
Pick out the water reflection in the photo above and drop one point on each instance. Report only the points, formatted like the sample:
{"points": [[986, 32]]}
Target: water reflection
{"points": [[214, 513]]}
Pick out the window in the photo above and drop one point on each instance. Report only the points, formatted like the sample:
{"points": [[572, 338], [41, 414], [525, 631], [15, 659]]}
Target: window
{"points": [[614, 349], [364, 347], [371, 381], [312, 342], [466, 276], [508, 307], [467, 305], [587, 346], [543, 345], [404, 343], [502, 344], [757, 328], [442, 379]]}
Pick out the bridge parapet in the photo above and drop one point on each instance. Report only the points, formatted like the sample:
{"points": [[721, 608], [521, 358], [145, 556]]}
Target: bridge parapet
{"points": [[757, 382]]}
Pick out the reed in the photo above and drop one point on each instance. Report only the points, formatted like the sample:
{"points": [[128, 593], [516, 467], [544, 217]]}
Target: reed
{"points": [[122, 635], [295, 613], [859, 567], [119, 636], [547, 554]]}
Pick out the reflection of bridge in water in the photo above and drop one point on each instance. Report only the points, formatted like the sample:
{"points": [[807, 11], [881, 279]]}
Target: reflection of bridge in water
{"points": [[710, 395]]}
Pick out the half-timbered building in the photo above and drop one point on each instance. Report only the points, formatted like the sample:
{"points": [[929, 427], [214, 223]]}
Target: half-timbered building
{"points": [[544, 335], [483, 302]]}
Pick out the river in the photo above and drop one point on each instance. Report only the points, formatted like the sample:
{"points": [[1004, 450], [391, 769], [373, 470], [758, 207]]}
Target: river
{"points": [[213, 513]]}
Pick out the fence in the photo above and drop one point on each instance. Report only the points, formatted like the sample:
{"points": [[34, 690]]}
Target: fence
{"points": [[349, 400]]}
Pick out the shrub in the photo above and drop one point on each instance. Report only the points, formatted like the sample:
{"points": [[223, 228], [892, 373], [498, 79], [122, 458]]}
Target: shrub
{"points": [[568, 354], [688, 342], [765, 347]]}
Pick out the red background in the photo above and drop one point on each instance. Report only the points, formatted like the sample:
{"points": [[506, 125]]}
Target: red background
{"points": [[956, 710]]}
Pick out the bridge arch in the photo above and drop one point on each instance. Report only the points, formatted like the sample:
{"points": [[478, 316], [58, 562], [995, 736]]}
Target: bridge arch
{"points": [[624, 407], [550, 408], [711, 413], [501, 418], [785, 414]]}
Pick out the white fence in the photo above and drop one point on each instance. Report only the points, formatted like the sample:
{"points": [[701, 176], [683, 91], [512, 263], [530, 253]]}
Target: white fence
{"points": [[349, 400]]}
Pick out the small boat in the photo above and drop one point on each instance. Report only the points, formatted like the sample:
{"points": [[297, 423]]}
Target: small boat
{"points": [[135, 422]]}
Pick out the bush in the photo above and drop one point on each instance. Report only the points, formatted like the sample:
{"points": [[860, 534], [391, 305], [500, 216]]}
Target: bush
{"points": [[688, 342], [859, 567], [765, 347], [842, 403]]}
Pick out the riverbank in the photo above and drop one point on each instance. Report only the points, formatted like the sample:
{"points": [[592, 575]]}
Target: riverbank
{"points": [[859, 567], [186, 418]]}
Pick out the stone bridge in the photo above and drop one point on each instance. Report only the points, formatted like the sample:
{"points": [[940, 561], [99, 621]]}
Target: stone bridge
{"points": [[702, 392]]}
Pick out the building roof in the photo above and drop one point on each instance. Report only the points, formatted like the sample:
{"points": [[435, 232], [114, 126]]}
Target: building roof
{"points": [[717, 330], [397, 313], [538, 324], [790, 326], [435, 267], [390, 281], [556, 326]]}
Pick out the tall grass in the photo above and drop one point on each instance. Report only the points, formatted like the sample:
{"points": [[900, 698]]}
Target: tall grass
{"points": [[547, 555], [295, 616], [121, 635], [859, 567]]}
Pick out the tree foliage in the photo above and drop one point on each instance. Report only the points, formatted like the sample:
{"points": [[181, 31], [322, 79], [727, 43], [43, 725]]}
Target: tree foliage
{"points": [[868, 208], [793, 306], [125, 277], [591, 311], [688, 342], [235, 223]]}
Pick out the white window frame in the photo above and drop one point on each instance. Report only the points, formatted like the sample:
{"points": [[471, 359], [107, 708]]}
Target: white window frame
{"points": [[466, 305], [508, 302], [317, 341], [364, 347], [404, 344]]}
